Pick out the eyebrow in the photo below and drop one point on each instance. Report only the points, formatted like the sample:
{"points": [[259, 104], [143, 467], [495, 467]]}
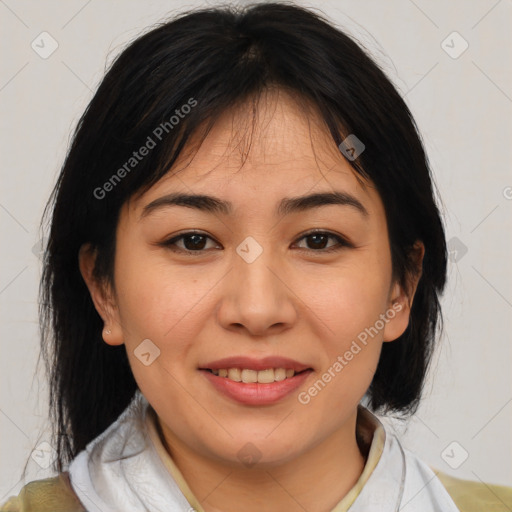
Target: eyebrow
{"points": [[214, 205]]}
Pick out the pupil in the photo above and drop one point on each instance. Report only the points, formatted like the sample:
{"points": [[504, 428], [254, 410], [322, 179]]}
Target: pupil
{"points": [[316, 237], [196, 238]]}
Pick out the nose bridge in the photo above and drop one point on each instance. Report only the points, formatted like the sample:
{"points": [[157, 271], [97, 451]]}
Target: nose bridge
{"points": [[258, 297], [253, 270]]}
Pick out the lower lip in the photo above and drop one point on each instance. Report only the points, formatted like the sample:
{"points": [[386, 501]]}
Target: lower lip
{"points": [[255, 393]]}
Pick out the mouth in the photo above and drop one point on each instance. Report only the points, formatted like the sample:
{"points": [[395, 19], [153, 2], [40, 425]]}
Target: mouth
{"points": [[257, 382], [249, 376]]}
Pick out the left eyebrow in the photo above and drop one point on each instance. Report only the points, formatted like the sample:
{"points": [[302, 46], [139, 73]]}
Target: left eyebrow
{"points": [[301, 203], [211, 204]]}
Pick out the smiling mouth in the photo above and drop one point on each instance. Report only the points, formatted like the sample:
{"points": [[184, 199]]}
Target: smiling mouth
{"points": [[247, 376]]}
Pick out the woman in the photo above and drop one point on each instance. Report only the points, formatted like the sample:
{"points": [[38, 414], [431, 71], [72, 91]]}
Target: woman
{"points": [[245, 260]]}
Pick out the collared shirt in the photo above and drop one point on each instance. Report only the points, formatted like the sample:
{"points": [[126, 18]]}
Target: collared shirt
{"points": [[127, 468]]}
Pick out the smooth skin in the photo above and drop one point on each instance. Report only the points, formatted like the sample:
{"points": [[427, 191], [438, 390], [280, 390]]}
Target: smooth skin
{"points": [[295, 300]]}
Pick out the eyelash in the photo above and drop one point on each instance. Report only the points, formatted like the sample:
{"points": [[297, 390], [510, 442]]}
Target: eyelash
{"points": [[342, 242]]}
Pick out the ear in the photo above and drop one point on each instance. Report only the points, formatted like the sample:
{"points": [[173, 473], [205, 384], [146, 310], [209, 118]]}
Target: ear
{"points": [[401, 299], [102, 297]]}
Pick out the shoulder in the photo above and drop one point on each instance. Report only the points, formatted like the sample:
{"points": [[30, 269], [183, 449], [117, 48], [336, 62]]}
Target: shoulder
{"points": [[450, 493], [48, 495], [472, 496]]}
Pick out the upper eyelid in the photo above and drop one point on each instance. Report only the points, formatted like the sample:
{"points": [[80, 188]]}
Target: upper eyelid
{"points": [[342, 240]]}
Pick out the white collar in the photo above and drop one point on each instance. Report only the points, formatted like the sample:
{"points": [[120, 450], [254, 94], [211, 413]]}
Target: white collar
{"points": [[124, 469]]}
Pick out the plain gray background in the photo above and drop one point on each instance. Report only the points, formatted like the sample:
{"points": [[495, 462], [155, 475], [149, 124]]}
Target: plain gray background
{"points": [[462, 101]]}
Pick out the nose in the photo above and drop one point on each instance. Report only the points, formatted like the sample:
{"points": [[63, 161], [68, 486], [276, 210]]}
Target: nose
{"points": [[257, 296]]}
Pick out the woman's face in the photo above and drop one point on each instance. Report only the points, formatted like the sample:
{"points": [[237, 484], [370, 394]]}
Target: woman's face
{"points": [[256, 284]]}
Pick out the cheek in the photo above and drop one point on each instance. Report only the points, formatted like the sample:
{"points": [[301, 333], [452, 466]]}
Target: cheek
{"points": [[350, 308], [156, 305], [160, 302], [352, 300], [351, 349]]}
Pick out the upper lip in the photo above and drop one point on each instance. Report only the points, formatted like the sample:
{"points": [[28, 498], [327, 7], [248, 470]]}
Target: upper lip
{"points": [[251, 363]]}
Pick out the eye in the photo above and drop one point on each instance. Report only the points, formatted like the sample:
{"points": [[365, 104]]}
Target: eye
{"points": [[192, 242], [195, 242], [318, 239]]}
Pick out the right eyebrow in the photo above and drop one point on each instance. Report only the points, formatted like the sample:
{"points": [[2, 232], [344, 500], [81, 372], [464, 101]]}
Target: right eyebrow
{"points": [[211, 204]]}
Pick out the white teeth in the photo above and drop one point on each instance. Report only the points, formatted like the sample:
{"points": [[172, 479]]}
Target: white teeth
{"points": [[251, 376], [235, 374], [279, 374], [266, 376]]}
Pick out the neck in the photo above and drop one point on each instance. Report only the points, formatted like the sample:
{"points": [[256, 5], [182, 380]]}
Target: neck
{"points": [[314, 481]]}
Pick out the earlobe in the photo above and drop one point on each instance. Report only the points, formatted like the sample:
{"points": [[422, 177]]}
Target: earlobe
{"points": [[401, 299], [397, 314], [101, 297]]}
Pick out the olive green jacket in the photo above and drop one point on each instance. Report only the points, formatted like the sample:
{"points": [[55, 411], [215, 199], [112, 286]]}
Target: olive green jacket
{"points": [[56, 495]]}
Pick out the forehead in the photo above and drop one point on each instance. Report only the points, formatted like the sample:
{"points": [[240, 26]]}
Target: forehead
{"points": [[267, 149]]}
